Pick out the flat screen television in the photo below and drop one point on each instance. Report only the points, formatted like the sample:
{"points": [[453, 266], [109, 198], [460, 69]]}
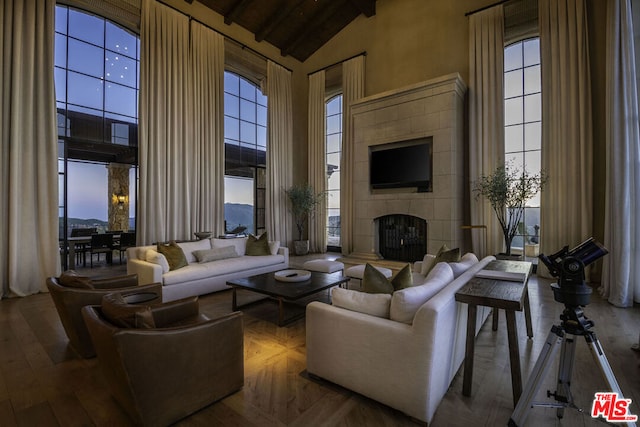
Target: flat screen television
{"points": [[400, 165]]}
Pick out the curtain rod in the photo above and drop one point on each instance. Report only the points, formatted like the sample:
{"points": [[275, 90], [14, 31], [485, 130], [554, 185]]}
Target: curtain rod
{"points": [[364, 53], [485, 7], [244, 46]]}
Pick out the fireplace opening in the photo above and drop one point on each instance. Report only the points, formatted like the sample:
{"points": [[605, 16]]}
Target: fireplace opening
{"points": [[402, 237]]}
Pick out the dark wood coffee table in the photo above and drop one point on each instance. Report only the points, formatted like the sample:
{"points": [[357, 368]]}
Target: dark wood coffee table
{"points": [[285, 292]]}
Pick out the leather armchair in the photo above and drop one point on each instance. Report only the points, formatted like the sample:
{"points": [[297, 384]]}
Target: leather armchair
{"points": [[69, 301], [163, 374]]}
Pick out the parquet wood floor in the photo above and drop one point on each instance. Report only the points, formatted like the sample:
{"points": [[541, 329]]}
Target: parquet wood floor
{"points": [[43, 383]]}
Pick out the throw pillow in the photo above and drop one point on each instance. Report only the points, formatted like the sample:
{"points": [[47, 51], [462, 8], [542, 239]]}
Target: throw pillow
{"points": [[189, 247], [214, 254], [372, 304], [156, 257], [447, 255], [118, 312], [402, 279], [258, 246], [374, 282], [467, 260], [72, 279], [406, 302], [173, 253], [427, 264], [274, 245]]}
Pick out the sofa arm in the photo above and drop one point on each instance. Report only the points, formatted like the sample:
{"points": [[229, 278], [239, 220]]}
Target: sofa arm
{"points": [[284, 251], [379, 358], [417, 267], [147, 272]]}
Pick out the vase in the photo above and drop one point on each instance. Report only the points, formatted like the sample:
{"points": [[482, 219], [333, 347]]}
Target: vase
{"points": [[301, 247]]}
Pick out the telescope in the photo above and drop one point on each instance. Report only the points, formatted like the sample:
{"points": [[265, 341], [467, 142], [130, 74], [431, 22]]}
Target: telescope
{"points": [[568, 266]]}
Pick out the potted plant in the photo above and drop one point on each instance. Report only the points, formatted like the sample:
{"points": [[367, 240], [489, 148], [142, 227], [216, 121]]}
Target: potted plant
{"points": [[304, 201], [507, 189]]}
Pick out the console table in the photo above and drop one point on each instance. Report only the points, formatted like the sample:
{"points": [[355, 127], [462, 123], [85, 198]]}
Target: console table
{"points": [[511, 295]]}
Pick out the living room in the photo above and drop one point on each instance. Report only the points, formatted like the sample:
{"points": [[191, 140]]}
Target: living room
{"points": [[405, 45]]}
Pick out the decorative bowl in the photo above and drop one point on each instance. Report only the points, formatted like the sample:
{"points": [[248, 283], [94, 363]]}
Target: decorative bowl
{"points": [[292, 275]]}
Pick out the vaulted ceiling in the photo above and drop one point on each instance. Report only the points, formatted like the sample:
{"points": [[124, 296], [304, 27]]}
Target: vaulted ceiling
{"points": [[297, 27]]}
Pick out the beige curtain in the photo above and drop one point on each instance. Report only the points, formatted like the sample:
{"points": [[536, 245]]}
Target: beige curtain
{"points": [[279, 146], [486, 117], [353, 74], [165, 139], [567, 147], [621, 269], [317, 158], [28, 149], [207, 62]]}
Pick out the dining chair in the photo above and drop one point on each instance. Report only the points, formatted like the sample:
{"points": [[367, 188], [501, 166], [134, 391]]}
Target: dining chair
{"points": [[101, 244]]}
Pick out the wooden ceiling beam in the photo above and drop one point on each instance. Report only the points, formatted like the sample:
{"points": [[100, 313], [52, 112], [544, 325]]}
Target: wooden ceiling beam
{"points": [[273, 21], [236, 10], [367, 7], [322, 15]]}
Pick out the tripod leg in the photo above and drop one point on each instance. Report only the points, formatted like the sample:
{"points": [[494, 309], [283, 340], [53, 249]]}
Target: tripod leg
{"points": [[540, 370], [601, 360], [565, 368]]}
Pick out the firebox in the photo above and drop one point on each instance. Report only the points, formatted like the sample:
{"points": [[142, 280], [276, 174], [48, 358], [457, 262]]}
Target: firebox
{"points": [[402, 237]]}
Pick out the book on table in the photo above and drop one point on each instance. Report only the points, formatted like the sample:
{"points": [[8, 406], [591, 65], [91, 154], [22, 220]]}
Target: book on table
{"points": [[511, 276]]}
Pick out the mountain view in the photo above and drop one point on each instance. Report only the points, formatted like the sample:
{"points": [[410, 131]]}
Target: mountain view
{"points": [[235, 214]]}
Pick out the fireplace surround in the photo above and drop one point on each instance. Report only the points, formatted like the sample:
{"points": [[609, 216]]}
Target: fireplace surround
{"points": [[435, 109]]}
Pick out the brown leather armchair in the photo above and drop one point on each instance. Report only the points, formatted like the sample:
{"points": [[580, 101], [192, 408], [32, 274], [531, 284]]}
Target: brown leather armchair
{"points": [[69, 300], [162, 374]]}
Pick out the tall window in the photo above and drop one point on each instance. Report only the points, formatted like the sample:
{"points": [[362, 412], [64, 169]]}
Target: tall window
{"points": [[96, 82], [334, 151], [245, 138], [523, 119]]}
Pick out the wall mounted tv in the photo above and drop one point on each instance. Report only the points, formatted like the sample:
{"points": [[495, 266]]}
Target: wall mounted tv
{"points": [[401, 165]]}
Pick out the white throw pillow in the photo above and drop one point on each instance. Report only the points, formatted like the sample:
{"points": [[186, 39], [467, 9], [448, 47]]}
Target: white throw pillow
{"points": [[406, 302], [427, 264], [362, 302], [240, 244], [156, 257], [274, 245], [189, 247], [466, 262], [214, 254]]}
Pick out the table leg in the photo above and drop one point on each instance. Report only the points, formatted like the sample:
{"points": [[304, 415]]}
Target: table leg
{"points": [[234, 301], [280, 312], [514, 355], [494, 324], [470, 349], [527, 313], [71, 265]]}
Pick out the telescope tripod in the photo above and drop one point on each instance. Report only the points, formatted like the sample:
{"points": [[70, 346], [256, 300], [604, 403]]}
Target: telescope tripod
{"points": [[573, 323]]}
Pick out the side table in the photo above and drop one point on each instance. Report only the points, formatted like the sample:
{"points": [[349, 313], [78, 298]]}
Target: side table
{"points": [[510, 295]]}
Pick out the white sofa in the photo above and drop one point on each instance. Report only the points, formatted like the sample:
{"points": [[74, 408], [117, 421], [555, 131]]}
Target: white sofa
{"points": [[202, 278], [407, 365]]}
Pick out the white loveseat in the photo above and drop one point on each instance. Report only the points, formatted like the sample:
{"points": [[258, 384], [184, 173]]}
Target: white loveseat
{"points": [[407, 365], [199, 278]]}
